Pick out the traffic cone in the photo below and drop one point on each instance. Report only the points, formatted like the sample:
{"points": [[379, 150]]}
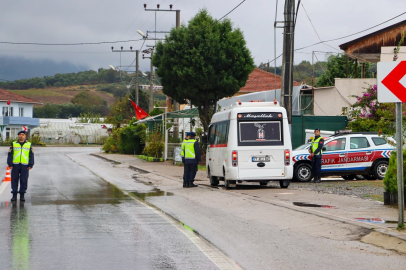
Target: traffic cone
{"points": [[8, 175]]}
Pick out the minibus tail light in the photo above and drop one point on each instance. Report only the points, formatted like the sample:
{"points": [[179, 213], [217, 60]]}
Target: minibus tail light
{"points": [[235, 158], [287, 157]]}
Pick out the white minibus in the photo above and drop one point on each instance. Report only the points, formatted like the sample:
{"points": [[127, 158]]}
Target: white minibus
{"points": [[249, 141]]}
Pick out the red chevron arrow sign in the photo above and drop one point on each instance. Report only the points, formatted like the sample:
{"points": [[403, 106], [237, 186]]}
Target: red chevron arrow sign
{"points": [[392, 82]]}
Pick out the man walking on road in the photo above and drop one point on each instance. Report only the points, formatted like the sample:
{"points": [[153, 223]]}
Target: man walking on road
{"points": [[20, 159], [316, 151], [192, 154]]}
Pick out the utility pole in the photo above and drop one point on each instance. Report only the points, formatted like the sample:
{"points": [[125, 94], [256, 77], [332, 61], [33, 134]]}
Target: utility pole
{"points": [[287, 60], [137, 53], [136, 69], [151, 78], [313, 80], [176, 106]]}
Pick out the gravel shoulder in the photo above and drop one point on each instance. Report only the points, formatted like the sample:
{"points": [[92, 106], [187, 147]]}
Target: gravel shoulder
{"points": [[364, 189]]}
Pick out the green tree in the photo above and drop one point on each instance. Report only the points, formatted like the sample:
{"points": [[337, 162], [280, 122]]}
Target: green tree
{"points": [[85, 98], [337, 68], [203, 62]]}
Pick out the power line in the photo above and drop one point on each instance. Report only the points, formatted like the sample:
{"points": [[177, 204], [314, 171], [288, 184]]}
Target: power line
{"points": [[136, 17], [68, 44], [225, 15], [318, 61], [353, 33]]}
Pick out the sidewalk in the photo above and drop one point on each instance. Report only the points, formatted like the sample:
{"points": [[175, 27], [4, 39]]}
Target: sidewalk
{"points": [[364, 213]]}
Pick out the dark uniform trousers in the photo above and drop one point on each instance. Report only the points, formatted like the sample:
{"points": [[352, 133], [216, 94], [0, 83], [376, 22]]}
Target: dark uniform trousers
{"points": [[189, 172], [19, 173], [316, 165]]}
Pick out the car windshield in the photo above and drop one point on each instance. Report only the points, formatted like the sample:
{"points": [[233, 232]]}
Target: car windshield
{"points": [[303, 146]]}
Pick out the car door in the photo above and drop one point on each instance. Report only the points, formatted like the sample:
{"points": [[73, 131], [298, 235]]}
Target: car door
{"points": [[360, 155], [335, 156]]}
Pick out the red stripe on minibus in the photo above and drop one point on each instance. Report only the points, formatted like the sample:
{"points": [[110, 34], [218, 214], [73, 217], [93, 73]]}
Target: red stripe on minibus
{"points": [[218, 145]]}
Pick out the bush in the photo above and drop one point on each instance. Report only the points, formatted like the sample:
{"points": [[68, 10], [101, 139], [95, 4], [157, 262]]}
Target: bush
{"points": [[390, 183], [155, 145], [126, 140]]}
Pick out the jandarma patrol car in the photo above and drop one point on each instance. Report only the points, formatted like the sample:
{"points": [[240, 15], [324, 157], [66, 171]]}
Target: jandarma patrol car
{"points": [[347, 154]]}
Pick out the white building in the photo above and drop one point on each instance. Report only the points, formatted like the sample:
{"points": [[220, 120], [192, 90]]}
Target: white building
{"points": [[16, 113]]}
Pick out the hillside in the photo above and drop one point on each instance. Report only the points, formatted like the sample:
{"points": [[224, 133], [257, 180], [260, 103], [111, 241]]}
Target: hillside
{"points": [[61, 95]]}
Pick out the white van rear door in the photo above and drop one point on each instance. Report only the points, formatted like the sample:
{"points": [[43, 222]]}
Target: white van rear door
{"points": [[260, 145]]}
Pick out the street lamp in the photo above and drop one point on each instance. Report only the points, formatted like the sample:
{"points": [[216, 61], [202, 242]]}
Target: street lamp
{"points": [[142, 34]]}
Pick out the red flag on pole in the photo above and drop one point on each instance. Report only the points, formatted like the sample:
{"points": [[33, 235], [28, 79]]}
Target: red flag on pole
{"points": [[140, 113]]}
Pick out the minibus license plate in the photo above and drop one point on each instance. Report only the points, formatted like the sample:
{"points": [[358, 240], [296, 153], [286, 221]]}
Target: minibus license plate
{"points": [[261, 159]]}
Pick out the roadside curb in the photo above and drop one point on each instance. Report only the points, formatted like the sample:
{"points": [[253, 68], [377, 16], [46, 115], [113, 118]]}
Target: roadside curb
{"points": [[373, 227]]}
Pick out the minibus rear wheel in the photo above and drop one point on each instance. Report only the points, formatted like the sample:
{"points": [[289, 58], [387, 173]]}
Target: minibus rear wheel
{"points": [[214, 181], [284, 183]]}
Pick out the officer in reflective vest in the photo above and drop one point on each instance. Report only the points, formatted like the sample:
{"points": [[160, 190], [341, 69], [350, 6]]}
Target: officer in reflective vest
{"points": [[183, 155], [20, 159], [192, 154], [316, 152]]}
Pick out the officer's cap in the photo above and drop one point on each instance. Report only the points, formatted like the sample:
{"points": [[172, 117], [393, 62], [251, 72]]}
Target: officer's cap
{"points": [[189, 134], [192, 134], [22, 131]]}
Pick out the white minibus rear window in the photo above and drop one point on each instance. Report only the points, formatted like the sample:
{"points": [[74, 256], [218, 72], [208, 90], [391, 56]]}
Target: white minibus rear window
{"points": [[255, 129], [264, 131]]}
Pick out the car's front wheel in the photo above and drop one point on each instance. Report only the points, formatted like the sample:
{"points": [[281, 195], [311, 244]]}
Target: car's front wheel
{"points": [[303, 172], [380, 169]]}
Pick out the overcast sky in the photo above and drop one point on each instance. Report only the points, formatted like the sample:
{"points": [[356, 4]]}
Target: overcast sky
{"points": [[56, 21]]}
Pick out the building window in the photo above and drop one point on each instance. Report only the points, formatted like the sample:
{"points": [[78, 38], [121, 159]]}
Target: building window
{"points": [[21, 112], [7, 111]]}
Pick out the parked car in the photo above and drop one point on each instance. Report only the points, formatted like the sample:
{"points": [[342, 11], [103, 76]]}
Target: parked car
{"points": [[348, 154]]}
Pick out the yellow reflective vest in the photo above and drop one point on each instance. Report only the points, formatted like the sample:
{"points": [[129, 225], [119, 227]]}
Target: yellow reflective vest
{"points": [[189, 149], [315, 145], [182, 146], [21, 154]]}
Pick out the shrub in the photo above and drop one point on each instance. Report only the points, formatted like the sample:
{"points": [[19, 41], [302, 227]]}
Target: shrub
{"points": [[155, 145], [390, 181], [126, 140]]}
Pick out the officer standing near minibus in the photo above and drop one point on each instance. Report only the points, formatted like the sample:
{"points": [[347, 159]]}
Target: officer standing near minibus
{"points": [[183, 156], [192, 156], [20, 159], [316, 152]]}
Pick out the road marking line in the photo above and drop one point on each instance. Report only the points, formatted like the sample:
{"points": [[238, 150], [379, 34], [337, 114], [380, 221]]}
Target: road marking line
{"points": [[3, 186], [221, 260]]}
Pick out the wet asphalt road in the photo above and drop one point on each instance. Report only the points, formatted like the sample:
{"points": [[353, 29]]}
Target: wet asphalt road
{"points": [[72, 219]]}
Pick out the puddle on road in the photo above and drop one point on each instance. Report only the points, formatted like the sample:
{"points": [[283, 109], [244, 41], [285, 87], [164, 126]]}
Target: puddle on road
{"points": [[376, 220], [105, 194], [153, 193], [138, 180], [303, 204]]}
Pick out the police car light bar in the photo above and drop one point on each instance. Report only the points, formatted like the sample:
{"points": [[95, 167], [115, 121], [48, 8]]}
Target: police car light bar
{"points": [[343, 131]]}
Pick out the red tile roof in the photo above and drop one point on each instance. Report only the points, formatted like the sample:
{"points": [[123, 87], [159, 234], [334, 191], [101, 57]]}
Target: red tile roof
{"points": [[6, 96], [261, 80]]}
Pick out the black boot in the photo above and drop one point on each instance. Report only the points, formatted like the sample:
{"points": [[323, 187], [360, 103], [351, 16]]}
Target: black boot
{"points": [[318, 179], [22, 197], [14, 197], [192, 185], [313, 179]]}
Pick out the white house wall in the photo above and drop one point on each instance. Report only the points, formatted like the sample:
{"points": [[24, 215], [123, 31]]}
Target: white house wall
{"points": [[328, 100]]}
